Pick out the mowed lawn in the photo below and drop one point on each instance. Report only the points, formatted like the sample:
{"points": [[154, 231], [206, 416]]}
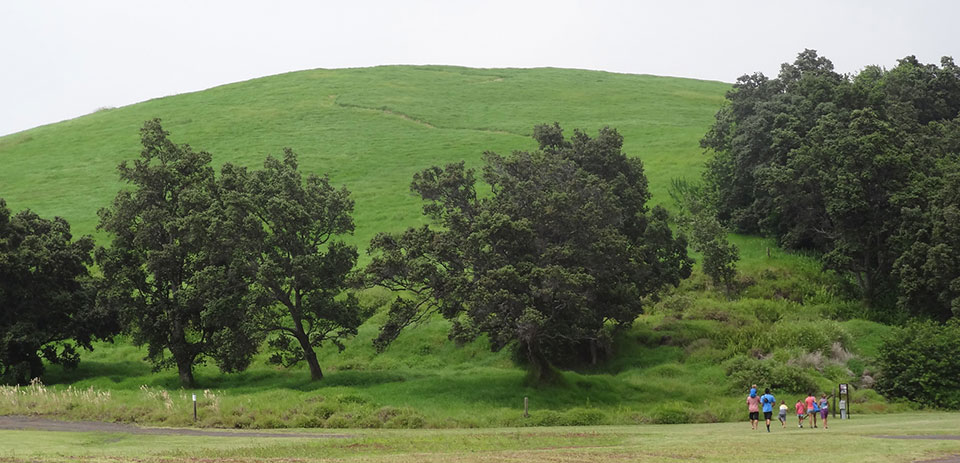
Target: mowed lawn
{"points": [[854, 440]]}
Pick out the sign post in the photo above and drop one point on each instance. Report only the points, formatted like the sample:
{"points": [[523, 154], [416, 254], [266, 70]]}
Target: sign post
{"points": [[194, 407], [844, 397]]}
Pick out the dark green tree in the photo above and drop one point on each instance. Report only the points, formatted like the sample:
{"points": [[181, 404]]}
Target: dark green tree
{"points": [[928, 266], [562, 251], [302, 267], [46, 296], [840, 190], [921, 362], [848, 166], [179, 267], [765, 120]]}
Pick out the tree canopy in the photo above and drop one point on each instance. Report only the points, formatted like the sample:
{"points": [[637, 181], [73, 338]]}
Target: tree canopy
{"points": [[854, 167], [302, 268], [561, 251], [46, 295], [178, 270]]}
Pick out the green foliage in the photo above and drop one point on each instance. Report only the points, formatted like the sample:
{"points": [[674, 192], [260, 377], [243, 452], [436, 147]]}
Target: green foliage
{"points": [[809, 335], [929, 268], [921, 363], [46, 295], [563, 246], [178, 270], [671, 412], [301, 268], [743, 371], [855, 168], [707, 235]]}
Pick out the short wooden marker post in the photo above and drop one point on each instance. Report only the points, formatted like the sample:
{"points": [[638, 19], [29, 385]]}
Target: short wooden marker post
{"points": [[526, 407], [194, 407]]}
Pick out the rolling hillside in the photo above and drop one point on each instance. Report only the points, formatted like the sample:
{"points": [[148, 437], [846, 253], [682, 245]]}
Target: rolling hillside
{"points": [[371, 129]]}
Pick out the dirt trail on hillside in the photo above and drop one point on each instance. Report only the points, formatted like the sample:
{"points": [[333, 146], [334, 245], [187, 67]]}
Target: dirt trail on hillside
{"points": [[44, 424]]}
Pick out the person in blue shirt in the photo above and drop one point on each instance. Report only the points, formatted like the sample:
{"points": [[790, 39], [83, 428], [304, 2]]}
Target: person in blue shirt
{"points": [[767, 401]]}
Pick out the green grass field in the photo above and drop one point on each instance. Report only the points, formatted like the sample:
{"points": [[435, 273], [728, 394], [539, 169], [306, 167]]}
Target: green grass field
{"points": [[371, 129], [846, 441]]}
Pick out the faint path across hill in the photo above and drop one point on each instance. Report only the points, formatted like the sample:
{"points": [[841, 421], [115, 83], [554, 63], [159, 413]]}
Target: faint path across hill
{"points": [[43, 424], [407, 117]]}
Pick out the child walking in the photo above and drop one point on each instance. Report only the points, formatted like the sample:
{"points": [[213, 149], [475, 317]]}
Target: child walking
{"points": [[824, 408], [783, 414], [800, 412]]}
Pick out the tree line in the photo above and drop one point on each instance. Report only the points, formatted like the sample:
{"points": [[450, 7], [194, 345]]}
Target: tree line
{"points": [[207, 266], [862, 169], [561, 253]]}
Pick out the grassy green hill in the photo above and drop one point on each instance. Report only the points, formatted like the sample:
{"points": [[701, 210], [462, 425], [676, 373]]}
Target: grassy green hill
{"points": [[371, 129]]}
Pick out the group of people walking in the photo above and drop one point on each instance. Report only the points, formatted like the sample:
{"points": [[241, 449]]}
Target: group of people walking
{"points": [[807, 409]]}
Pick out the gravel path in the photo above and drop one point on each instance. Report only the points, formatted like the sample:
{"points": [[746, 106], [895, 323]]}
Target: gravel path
{"points": [[44, 424]]}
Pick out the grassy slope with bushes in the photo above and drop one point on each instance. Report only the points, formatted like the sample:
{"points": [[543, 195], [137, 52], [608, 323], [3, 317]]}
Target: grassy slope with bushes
{"points": [[689, 359]]}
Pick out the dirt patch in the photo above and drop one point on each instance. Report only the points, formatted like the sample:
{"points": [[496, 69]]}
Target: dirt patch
{"points": [[43, 424], [923, 436], [945, 459]]}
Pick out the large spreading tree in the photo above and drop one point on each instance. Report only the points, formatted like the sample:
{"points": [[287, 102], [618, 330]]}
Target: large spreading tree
{"points": [[46, 296], [560, 252], [179, 269]]}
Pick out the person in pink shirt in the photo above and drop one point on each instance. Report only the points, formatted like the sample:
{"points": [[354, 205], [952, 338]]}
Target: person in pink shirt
{"points": [[800, 412], [811, 408], [753, 405]]}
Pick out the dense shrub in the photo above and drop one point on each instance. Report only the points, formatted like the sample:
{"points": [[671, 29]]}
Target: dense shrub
{"points": [[811, 336], [921, 363], [742, 371], [671, 413]]}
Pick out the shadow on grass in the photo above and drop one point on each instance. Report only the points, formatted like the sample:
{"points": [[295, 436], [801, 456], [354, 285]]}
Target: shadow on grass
{"points": [[253, 381], [115, 372]]}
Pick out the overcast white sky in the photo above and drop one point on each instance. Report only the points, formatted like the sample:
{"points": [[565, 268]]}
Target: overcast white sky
{"points": [[62, 59]]}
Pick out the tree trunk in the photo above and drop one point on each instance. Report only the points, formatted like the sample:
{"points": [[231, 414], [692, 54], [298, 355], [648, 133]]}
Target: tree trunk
{"points": [[185, 367], [315, 373], [311, 357], [541, 371], [180, 349]]}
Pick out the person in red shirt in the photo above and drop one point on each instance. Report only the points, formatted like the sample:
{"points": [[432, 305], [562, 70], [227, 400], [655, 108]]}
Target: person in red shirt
{"points": [[811, 408], [753, 405], [800, 412]]}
